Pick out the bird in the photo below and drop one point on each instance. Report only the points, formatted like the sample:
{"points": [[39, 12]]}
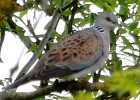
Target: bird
{"points": [[76, 54]]}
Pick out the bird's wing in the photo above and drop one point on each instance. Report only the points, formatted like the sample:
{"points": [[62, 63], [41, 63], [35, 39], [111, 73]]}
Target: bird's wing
{"points": [[73, 53]]}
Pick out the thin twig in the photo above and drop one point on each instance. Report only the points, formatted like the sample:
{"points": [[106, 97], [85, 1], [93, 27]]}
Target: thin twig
{"points": [[72, 18], [1, 41], [57, 87], [30, 28]]}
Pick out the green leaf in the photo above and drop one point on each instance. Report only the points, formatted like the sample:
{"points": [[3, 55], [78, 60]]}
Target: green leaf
{"points": [[136, 31], [129, 1], [104, 77], [107, 1], [99, 3], [91, 18], [113, 3], [82, 95], [87, 6], [35, 86], [48, 25], [112, 40], [40, 98], [122, 31], [123, 10], [132, 26], [118, 64], [136, 39], [77, 20], [19, 30], [22, 13], [6, 24], [59, 4], [112, 37], [127, 43], [80, 9], [34, 49], [121, 2], [84, 22], [108, 8], [67, 12]]}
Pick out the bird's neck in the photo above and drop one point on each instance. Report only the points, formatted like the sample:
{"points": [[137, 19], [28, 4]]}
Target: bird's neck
{"points": [[99, 28]]}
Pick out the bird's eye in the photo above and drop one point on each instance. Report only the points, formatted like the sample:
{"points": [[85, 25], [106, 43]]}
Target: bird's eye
{"points": [[108, 19]]}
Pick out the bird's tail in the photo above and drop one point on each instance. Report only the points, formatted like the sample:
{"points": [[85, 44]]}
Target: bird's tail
{"points": [[13, 86], [17, 83]]}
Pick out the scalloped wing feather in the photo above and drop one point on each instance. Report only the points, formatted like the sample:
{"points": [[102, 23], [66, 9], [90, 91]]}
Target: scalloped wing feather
{"points": [[73, 53]]}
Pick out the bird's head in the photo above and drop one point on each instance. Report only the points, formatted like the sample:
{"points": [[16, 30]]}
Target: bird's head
{"points": [[107, 20]]}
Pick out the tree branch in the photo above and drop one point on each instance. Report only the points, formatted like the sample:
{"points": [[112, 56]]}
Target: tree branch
{"points": [[72, 18], [71, 86], [57, 87]]}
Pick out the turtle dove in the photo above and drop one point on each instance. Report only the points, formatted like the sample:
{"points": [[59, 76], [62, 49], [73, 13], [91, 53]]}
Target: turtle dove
{"points": [[76, 54]]}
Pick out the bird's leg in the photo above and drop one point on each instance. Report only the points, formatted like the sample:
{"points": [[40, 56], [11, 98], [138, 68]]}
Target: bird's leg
{"points": [[83, 80], [43, 83]]}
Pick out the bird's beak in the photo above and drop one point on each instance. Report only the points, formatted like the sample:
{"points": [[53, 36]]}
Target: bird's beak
{"points": [[118, 25]]}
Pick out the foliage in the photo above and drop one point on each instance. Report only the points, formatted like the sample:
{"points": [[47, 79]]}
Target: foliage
{"points": [[121, 70]]}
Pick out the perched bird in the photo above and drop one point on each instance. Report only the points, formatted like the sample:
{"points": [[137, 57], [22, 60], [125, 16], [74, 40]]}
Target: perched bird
{"points": [[76, 54]]}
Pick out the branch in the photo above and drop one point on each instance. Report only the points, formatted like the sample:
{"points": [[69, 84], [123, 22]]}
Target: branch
{"points": [[72, 18], [1, 41], [57, 87], [31, 30], [71, 86], [69, 5]]}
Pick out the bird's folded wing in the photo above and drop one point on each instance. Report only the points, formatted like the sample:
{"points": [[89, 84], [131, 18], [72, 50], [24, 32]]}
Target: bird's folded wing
{"points": [[73, 53]]}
